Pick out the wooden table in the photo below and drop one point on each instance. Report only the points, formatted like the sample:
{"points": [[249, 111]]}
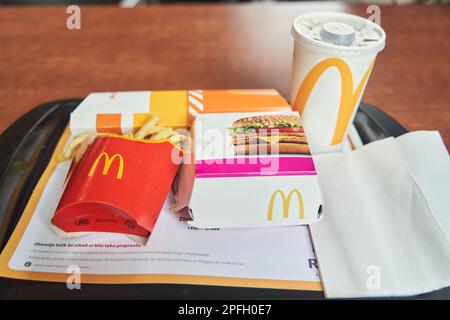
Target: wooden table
{"points": [[212, 46]]}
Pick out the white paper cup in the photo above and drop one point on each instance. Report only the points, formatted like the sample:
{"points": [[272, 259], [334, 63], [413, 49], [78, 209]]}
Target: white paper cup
{"points": [[333, 56]]}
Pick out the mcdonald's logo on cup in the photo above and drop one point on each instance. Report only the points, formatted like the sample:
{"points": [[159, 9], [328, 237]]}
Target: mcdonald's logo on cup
{"points": [[329, 75], [348, 97], [119, 185], [107, 164], [286, 203]]}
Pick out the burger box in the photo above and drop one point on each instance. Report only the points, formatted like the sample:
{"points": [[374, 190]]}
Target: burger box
{"points": [[119, 184], [249, 170], [120, 112]]}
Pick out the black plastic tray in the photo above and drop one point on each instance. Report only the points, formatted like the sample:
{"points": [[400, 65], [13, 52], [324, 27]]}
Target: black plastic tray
{"points": [[25, 149]]}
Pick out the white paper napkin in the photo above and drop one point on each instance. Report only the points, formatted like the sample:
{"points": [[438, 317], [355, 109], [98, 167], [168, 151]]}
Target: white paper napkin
{"points": [[386, 218]]}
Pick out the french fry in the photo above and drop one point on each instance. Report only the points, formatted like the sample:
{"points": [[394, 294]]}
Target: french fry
{"points": [[163, 134], [177, 138], [174, 207], [147, 127], [154, 130], [129, 134], [74, 144]]}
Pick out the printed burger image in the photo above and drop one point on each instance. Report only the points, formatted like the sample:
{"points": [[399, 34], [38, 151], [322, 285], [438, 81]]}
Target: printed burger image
{"points": [[273, 134]]}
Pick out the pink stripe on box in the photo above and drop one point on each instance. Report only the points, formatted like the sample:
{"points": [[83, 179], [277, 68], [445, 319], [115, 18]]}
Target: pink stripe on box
{"points": [[258, 166]]}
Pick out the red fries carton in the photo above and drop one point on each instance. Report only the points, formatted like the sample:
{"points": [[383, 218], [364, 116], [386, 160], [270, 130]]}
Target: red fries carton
{"points": [[119, 186]]}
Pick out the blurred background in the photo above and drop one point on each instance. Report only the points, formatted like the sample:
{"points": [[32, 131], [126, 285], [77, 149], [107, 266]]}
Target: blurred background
{"points": [[132, 3]]}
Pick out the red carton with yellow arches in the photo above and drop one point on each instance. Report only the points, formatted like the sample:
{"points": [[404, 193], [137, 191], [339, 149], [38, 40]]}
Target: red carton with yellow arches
{"points": [[119, 185]]}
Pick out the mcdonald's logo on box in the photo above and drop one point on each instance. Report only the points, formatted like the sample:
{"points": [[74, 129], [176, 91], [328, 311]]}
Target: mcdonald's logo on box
{"points": [[286, 204], [108, 162]]}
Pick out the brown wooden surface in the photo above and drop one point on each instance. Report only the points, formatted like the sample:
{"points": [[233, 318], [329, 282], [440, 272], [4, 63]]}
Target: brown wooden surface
{"points": [[212, 46]]}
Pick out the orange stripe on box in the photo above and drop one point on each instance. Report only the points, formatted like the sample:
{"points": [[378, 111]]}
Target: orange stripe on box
{"points": [[109, 123], [243, 101]]}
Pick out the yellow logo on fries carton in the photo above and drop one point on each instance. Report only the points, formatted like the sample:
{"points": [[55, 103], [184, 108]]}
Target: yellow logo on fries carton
{"points": [[286, 203], [349, 98], [108, 162]]}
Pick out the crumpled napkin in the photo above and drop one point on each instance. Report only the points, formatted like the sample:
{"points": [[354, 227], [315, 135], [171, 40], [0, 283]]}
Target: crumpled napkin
{"points": [[386, 218]]}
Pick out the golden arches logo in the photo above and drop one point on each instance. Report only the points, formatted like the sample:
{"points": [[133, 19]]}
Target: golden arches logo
{"points": [[108, 162], [348, 97], [286, 202]]}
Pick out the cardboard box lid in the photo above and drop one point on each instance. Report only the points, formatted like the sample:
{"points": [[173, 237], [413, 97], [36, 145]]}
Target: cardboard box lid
{"points": [[118, 112]]}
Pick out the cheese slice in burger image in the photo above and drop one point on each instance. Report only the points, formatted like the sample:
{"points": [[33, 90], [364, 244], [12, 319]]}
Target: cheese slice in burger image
{"points": [[269, 134]]}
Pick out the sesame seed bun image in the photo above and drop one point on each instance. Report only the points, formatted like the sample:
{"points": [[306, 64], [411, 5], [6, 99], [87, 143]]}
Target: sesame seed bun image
{"points": [[269, 134]]}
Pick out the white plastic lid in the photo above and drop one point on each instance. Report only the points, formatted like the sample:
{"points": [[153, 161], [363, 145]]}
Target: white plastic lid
{"points": [[338, 33]]}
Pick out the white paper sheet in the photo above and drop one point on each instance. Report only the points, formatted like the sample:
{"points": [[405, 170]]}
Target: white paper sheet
{"points": [[385, 226]]}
